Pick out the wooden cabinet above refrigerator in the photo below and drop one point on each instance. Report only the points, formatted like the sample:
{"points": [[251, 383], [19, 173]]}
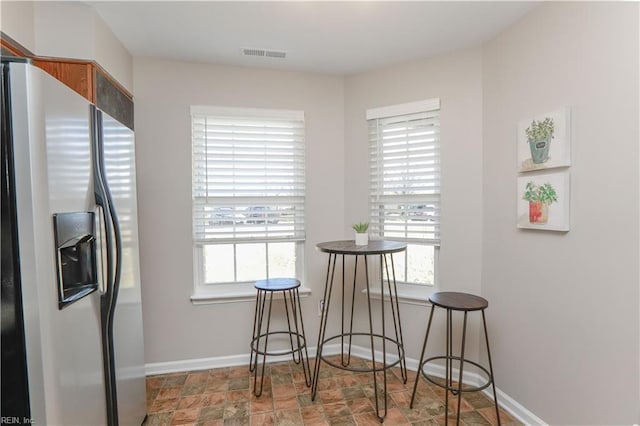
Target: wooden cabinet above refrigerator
{"points": [[87, 78]]}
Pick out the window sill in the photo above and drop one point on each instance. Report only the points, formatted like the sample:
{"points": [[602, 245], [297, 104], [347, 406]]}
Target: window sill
{"points": [[408, 294], [243, 292]]}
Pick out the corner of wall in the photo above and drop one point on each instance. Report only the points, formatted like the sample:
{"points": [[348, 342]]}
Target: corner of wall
{"points": [[112, 54], [556, 295], [75, 30], [17, 21]]}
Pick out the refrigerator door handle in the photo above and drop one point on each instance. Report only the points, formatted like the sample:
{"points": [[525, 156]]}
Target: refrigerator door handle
{"points": [[104, 200], [116, 246], [104, 249], [113, 256], [105, 225]]}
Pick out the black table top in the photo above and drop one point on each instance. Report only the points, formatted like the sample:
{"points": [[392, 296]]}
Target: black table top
{"points": [[350, 247]]}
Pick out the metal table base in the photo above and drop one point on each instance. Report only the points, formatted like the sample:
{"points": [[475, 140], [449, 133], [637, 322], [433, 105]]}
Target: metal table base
{"points": [[383, 250]]}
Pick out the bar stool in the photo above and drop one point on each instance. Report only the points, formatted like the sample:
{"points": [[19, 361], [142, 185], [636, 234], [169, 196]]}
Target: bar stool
{"points": [[289, 288], [463, 302]]}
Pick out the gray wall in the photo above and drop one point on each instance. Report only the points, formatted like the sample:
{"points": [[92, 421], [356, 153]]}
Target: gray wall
{"points": [[175, 329], [565, 306], [456, 79], [67, 30], [337, 184], [16, 20], [337, 180]]}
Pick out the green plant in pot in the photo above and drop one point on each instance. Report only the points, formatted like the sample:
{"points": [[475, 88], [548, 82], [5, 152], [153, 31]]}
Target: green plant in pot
{"points": [[362, 237], [540, 197], [539, 136]]}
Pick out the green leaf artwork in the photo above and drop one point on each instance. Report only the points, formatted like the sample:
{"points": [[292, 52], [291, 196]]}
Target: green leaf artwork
{"points": [[545, 194], [540, 130]]}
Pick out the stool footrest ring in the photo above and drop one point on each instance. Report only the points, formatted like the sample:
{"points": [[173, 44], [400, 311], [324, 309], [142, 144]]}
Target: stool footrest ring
{"points": [[488, 379], [389, 365], [303, 343]]}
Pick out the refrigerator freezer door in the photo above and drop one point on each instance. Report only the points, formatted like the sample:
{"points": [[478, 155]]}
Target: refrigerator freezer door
{"points": [[53, 166], [119, 162], [15, 392]]}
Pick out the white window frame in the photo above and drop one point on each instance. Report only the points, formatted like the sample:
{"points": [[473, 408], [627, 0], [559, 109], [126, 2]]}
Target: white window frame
{"points": [[409, 292], [237, 291]]}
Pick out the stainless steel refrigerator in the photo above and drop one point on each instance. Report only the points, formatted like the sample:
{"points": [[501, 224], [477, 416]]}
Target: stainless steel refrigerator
{"points": [[72, 343]]}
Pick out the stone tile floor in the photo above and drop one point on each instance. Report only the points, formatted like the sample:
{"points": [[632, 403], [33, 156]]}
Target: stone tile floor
{"points": [[223, 396]]}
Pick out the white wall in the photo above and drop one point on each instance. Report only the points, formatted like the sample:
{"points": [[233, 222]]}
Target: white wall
{"points": [[337, 178], [63, 29], [16, 20], [337, 185], [174, 328], [565, 306], [67, 30], [456, 79], [75, 30]]}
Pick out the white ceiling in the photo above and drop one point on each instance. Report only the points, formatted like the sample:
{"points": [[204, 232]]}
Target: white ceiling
{"points": [[318, 36]]}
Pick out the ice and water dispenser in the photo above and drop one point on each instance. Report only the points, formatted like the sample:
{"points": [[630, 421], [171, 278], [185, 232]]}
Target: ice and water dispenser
{"points": [[76, 256]]}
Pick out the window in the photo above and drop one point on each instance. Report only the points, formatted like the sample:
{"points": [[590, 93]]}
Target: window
{"points": [[248, 187], [404, 144]]}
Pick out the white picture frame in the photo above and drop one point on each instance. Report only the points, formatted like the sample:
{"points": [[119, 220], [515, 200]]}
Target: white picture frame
{"points": [[544, 213], [552, 152]]}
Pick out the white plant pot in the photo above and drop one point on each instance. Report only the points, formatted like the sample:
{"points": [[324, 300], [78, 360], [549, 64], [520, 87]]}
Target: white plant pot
{"points": [[362, 239]]}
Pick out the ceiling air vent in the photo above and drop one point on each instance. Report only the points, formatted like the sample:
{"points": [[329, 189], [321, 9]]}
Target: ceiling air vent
{"points": [[275, 54], [264, 53], [253, 52]]}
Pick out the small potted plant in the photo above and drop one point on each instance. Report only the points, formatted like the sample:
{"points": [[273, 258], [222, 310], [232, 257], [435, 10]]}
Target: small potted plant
{"points": [[539, 136], [362, 237], [539, 198]]}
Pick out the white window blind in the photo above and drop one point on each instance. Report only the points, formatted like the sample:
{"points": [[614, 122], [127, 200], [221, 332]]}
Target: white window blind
{"points": [[405, 172], [248, 175]]}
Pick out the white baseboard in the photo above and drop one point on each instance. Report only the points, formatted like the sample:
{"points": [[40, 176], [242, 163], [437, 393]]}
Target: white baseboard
{"points": [[517, 410], [510, 405], [221, 361], [513, 407], [195, 364]]}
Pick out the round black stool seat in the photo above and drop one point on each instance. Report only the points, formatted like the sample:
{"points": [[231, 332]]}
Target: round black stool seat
{"points": [[458, 301], [277, 284], [464, 303]]}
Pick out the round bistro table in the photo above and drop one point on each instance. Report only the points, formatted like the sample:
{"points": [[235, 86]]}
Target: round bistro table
{"points": [[383, 250]]}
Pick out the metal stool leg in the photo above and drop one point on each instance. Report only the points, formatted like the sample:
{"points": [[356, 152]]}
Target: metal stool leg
{"points": [[286, 308], [353, 299], [464, 335], [450, 353], [395, 311], [342, 319], [256, 335], [253, 335], [264, 353], [447, 373], [424, 346], [373, 356], [305, 358], [384, 337], [261, 301], [493, 381], [328, 286]]}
